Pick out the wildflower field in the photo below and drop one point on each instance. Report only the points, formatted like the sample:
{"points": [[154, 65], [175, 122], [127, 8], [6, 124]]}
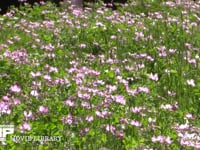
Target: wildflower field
{"points": [[99, 79]]}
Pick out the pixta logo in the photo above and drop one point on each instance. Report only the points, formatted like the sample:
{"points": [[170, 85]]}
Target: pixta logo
{"points": [[5, 130]]}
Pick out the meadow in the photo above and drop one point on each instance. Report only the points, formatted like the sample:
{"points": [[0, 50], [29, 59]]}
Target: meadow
{"points": [[127, 79]]}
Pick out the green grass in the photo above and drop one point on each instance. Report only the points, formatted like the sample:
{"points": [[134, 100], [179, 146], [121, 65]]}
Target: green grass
{"points": [[124, 79]]}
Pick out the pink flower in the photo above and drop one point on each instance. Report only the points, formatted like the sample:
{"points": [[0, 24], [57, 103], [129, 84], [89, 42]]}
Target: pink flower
{"points": [[153, 77], [103, 114], [86, 105], [184, 127], [139, 35], [161, 139], [85, 96], [98, 113], [143, 89], [113, 37], [43, 109], [120, 99], [19, 56], [111, 88], [85, 130], [166, 107], [28, 115], [120, 134], [131, 92], [47, 77], [89, 118], [16, 101], [110, 128], [189, 116], [124, 121], [137, 109], [15, 89], [25, 126], [154, 139], [6, 98], [37, 74], [82, 45], [69, 103], [168, 140], [197, 145], [77, 12], [49, 47], [170, 4], [53, 69], [135, 123]]}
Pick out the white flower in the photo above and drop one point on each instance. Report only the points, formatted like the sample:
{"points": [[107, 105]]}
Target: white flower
{"points": [[191, 82], [34, 93]]}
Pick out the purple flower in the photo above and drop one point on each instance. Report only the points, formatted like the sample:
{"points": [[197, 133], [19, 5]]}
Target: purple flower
{"points": [[119, 99], [68, 120], [120, 134], [85, 130], [15, 89]]}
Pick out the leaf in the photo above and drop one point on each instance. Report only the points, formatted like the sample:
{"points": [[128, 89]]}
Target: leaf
{"points": [[111, 74], [196, 92], [173, 71]]}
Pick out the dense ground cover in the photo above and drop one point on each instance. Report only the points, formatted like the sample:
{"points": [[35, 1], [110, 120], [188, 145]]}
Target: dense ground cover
{"points": [[125, 79]]}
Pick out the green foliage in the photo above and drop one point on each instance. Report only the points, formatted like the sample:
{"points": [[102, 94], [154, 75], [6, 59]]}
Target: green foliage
{"points": [[109, 79]]}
